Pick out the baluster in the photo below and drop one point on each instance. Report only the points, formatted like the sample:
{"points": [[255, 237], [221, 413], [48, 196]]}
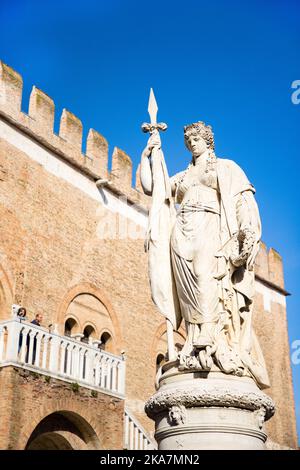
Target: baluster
{"points": [[97, 370], [25, 333], [108, 374], [131, 433], [31, 347], [121, 377], [45, 351], [145, 443], [103, 372], [136, 438], [114, 376], [38, 339], [85, 364], [62, 357], [81, 363], [75, 363], [141, 443], [89, 371], [54, 353], [126, 435], [94, 364], [69, 359], [95, 367]]}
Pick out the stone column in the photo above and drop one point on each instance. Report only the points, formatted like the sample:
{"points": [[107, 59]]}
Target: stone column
{"points": [[212, 410]]}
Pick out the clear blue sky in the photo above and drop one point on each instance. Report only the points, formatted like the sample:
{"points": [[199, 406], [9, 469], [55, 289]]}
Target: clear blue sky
{"points": [[230, 63]]}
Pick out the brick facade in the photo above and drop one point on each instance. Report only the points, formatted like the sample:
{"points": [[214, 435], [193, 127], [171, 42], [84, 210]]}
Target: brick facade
{"points": [[90, 422]]}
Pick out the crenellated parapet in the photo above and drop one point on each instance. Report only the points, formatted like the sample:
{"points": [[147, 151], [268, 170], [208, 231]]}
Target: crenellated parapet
{"points": [[97, 151], [121, 169], [41, 109], [269, 266], [39, 123], [11, 86]]}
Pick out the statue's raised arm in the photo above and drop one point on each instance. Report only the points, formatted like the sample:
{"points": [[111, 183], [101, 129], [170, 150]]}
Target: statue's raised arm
{"points": [[156, 182]]}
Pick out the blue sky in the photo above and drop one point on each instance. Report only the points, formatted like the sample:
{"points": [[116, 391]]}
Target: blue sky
{"points": [[229, 63]]}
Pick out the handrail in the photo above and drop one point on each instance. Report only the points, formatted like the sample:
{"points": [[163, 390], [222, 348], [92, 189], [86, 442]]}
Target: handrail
{"points": [[32, 347], [135, 436]]}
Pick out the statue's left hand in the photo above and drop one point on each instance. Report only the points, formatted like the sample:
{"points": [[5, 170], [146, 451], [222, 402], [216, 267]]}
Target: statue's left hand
{"points": [[245, 242]]}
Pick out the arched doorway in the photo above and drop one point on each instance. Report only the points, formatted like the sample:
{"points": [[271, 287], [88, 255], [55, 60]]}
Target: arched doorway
{"points": [[49, 441], [63, 430]]}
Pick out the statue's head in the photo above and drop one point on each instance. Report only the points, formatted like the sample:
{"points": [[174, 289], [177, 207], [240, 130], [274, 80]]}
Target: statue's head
{"points": [[199, 137]]}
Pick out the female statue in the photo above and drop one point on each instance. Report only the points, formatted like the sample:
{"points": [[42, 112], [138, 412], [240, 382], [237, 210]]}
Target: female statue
{"points": [[204, 234]]}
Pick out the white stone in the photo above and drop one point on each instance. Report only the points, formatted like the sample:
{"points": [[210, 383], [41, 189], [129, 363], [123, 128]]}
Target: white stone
{"points": [[203, 237], [201, 257], [214, 411]]}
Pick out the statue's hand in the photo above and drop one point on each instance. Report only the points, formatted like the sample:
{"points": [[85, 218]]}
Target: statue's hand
{"points": [[245, 240], [153, 142], [146, 152]]}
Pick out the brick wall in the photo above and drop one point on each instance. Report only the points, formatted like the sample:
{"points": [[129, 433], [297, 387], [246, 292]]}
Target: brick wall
{"points": [[89, 422]]}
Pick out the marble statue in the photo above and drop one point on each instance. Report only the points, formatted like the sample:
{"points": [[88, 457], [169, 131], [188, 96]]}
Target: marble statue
{"points": [[203, 236]]}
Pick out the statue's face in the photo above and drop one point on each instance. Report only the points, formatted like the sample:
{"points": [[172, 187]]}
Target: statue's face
{"points": [[196, 144], [174, 412]]}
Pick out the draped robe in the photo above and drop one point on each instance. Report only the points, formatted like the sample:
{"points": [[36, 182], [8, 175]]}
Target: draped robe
{"points": [[240, 281]]}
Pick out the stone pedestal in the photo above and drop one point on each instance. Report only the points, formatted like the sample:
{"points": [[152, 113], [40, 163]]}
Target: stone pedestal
{"points": [[197, 410]]}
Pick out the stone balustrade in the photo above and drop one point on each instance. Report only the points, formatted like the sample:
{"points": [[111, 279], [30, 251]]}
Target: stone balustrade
{"points": [[26, 345], [135, 437]]}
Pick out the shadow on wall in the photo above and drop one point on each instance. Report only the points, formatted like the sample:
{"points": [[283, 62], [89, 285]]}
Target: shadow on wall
{"points": [[63, 430]]}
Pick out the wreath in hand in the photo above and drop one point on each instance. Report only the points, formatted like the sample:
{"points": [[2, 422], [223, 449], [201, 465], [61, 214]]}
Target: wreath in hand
{"points": [[242, 247]]}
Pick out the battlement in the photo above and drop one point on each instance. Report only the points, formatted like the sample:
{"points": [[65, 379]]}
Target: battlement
{"points": [[269, 267], [39, 122]]}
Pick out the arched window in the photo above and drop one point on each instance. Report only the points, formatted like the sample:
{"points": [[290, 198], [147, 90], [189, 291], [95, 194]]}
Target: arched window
{"points": [[106, 341], [93, 321], [88, 332], [178, 346], [159, 353], [70, 326], [160, 359]]}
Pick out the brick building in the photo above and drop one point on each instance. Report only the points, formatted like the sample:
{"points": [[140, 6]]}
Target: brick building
{"points": [[71, 248]]}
